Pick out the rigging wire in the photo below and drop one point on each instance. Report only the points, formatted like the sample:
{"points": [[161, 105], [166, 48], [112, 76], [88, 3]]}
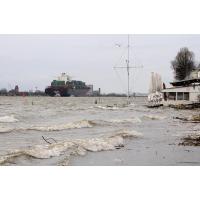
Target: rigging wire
{"points": [[120, 58]]}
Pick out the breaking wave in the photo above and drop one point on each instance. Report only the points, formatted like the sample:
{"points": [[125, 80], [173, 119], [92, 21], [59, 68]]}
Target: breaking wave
{"points": [[70, 125], [129, 120], [5, 130], [154, 117], [83, 124], [77, 147], [107, 107], [60, 127], [8, 119]]}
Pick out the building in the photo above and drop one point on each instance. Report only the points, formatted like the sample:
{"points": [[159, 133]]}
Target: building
{"points": [[184, 91], [90, 92], [14, 92], [16, 89]]}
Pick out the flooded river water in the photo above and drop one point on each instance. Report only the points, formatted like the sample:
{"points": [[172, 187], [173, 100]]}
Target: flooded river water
{"points": [[75, 131]]}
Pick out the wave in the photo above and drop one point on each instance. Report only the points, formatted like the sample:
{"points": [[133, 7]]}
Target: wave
{"points": [[71, 125], [5, 130], [141, 109], [154, 117], [83, 124], [128, 120], [107, 107], [60, 127], [76, 147], [8, 119]]}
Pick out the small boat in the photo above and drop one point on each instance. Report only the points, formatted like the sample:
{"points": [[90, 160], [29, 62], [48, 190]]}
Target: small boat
{"points": [[155, 96]]}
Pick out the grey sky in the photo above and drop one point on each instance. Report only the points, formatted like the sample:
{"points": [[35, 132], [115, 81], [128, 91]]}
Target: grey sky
{"points": [[35, 60]]}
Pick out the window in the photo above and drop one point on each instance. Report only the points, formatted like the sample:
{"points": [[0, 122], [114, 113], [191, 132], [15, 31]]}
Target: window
{"points": [[171, 95], [179, 95], [186, 96], [198, 75]]}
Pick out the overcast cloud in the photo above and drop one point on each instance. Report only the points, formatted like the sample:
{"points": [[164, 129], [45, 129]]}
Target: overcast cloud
{"points": [[35, 60]]}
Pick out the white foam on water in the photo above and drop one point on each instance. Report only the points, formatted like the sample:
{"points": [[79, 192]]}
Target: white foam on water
{"points": [[128, 120], [154, 117], [70, 125], [60, 127], [129, 133], [8, 119], [48, 151], [5, 129], [107, 107], [141, 109], [73, 147]]}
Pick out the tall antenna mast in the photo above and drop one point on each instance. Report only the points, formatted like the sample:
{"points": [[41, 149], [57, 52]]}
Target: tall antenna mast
{"points": [[128, 66]]}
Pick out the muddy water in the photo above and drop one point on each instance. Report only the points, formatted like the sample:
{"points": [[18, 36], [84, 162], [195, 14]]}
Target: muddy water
{"points": [[79, 132]]}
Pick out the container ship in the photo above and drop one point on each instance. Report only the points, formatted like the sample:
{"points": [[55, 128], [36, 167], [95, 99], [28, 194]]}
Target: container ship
{"points": [[66, 87]]}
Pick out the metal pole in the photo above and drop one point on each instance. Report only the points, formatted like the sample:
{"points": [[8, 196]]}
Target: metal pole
{"points": [[128, 67]]}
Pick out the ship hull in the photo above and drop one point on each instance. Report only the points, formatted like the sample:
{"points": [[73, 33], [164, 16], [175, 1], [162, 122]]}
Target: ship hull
{"points": [[54, 91], [78, 92], [66, 92]]}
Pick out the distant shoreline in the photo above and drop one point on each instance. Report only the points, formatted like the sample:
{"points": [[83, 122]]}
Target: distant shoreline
{"points": [[71, 97]]}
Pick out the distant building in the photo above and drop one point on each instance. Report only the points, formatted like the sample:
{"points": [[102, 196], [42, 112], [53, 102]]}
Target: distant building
{"points": [[184, 91], [90, 92], [3, 92], [16, 89], [96, 93]]}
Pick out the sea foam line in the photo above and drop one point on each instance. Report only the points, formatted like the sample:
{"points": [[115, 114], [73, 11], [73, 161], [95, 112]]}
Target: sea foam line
{"points": [[60, 127], [8, 119], [154, 117]]}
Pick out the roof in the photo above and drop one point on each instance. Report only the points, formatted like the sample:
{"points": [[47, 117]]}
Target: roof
{"points": [[177, 89], [185, 82]]}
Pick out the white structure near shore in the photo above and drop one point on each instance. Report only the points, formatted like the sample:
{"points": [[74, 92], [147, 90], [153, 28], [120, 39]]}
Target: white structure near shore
{"points": [[183, 92]]}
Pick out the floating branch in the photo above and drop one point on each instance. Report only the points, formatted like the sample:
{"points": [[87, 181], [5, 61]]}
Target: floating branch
{"points": [[47, 140]]}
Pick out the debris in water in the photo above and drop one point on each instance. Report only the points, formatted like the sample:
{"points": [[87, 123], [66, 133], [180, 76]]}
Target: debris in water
{"points": [[172, 144], [191, 140], [47, 140], [186, 106], [196, 118], [192, 119], [187, 150], [119, 146]]}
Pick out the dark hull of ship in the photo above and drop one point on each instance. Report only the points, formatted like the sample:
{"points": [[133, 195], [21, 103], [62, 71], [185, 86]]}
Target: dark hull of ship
{"points": [[79, 92], [66, 92]]}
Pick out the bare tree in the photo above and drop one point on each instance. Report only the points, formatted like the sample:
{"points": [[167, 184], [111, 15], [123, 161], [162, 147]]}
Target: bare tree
{"points": [[183, 63]]}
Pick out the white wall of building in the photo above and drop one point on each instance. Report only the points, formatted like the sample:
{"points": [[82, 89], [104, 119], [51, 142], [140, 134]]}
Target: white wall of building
{"points": [[194, 91]]}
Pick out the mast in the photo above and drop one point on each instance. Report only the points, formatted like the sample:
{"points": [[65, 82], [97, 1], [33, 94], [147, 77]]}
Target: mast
{"points": [[128, 67]]}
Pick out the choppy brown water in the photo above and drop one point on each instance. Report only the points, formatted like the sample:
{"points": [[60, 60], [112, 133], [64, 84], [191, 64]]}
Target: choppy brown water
{"points": [[109, 133]]}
